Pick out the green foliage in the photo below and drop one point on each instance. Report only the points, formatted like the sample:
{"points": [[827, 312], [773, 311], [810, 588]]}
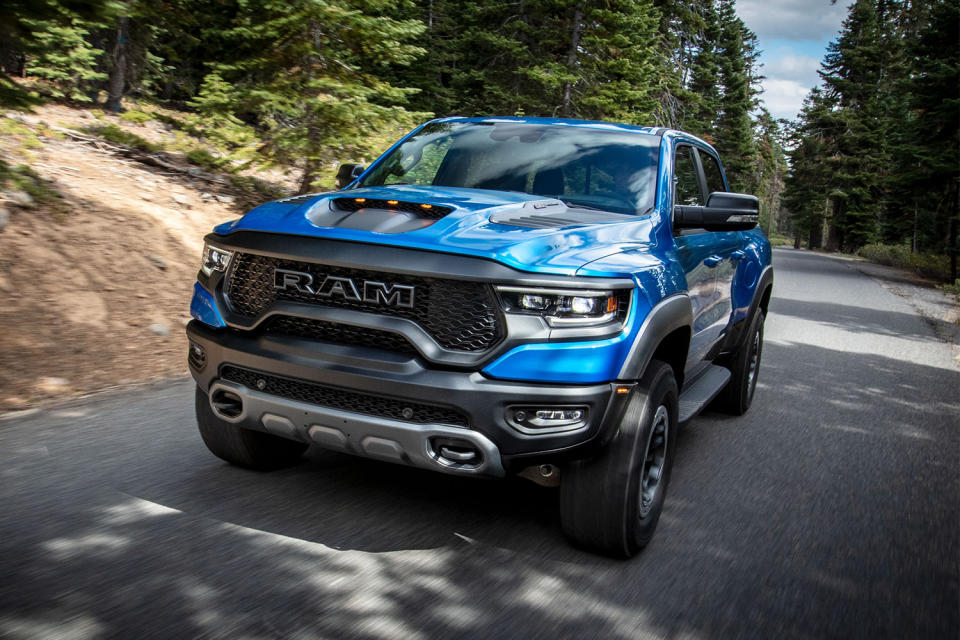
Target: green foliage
{"points": [[877, 150], [23, 178], [136, 117], [928, 265], [205, 159], [113, 133], [733, 134], [65, 58], [262, 189], [302, 73]]}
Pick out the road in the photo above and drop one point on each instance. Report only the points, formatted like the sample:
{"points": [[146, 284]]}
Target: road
{"points": [[831, 510]]}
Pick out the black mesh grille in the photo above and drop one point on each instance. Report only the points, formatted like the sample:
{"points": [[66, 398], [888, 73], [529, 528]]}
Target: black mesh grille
{"points": [[336, 398], [338, 334], [462, 316], [423, 210]]}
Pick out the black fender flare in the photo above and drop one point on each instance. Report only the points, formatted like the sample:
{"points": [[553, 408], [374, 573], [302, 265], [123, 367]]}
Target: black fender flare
{"points": [[764, 282], [668, 315]]}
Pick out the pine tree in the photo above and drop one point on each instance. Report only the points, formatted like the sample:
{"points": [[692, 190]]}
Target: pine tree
{"points": [[306, 71], [681, 29], [932, 135], [854, 71], [18, 37], [64, 57], [734, 129], [807, 186], [704, 82]]}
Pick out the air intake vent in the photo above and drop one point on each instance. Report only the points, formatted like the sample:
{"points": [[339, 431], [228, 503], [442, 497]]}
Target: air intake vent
{"points": [[299, 199], [421, 209], [343, 399]]}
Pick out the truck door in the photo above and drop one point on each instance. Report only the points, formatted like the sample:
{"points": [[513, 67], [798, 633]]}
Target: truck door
{"points": [[708, 259]]}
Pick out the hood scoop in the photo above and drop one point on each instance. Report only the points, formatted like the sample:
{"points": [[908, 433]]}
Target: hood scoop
{"points": [[556, 215], [421, 209], [376, 214]]}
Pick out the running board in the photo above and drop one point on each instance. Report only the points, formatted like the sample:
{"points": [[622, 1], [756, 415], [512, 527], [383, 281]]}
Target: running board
{"points": [[699, 394]]}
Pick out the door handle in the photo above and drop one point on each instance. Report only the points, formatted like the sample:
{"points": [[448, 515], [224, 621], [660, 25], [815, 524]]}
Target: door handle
{"points": [[712, 261]]}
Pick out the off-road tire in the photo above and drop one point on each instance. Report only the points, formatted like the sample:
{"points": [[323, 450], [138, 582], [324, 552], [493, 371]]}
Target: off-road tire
{"points": [[243, 447], [602, 503], [744, 365]]}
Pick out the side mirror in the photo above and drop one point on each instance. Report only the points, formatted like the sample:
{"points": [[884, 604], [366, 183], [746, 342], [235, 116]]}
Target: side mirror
{"points": [[724, 212], [347, 174]]}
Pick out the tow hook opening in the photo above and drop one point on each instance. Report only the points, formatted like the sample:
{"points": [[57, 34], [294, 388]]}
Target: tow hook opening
{"points": [[226, 404], [455, 452]]}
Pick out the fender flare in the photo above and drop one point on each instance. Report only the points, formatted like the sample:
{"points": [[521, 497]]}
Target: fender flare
{"points": [[668, 315]]}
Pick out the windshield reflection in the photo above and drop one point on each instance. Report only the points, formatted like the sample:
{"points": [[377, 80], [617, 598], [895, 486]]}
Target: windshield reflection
{"points": [[586, 167]]}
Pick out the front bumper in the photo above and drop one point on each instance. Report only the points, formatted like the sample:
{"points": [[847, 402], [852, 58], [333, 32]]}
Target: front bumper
{"points": [[502, 448]]}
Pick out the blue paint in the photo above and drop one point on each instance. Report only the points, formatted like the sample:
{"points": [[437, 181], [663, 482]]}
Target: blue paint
{"points": [[204, 308], [572, 362], [643, 248]]}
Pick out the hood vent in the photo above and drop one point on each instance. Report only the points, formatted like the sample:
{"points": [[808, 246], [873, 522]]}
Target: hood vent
{"points": [[299, 199], [567, 217], [420, 209]]}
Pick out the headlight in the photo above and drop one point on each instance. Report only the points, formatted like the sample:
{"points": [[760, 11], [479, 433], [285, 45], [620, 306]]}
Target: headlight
{"points": [[214, 259], [562, 307]]}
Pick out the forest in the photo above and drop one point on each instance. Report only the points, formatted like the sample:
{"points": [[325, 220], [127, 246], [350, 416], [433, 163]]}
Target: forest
{"points": [[870, 165]]}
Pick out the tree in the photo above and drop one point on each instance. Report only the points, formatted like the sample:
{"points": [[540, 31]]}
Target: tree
{"points": [[304, 70], [64, 57], [933, 131], [18, 38], [734, 136]]}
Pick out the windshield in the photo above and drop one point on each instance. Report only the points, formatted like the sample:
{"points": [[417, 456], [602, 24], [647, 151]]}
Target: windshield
{"points": [[609, 170]]}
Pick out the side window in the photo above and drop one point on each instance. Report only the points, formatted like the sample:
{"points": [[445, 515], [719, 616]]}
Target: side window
{"points": [[711, 170], [685, 178]]}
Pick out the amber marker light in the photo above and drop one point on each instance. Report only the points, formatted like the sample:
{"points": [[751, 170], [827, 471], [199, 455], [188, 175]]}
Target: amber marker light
{"points": [[393, 202], [426, 206], [611, 304], [622, 390], [360, 200]]}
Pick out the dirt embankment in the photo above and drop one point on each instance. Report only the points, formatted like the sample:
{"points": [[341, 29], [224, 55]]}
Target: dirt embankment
{"points": [[96, 288]]}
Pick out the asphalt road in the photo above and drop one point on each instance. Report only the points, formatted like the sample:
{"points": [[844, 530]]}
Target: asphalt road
{"points": [[832, 510]]}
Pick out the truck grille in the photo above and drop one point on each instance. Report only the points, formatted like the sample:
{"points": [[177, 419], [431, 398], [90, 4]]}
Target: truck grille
{"points": [[342, 399], [338, 334], [461, 316]]}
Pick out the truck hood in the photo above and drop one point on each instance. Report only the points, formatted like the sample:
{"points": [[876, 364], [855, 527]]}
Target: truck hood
{"points": [[524, 231]]}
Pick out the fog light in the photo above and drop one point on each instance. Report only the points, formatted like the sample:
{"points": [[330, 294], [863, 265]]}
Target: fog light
{"points": [[559, 415], [547, 419], [196, 356]]}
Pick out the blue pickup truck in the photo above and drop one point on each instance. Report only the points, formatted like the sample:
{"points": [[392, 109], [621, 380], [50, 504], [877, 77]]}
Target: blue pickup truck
{"points": [[492, 296]]}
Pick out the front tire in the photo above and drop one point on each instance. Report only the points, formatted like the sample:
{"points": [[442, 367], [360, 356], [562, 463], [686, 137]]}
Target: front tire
{"points": [[744, 364], [243, 447], [612, 503]]}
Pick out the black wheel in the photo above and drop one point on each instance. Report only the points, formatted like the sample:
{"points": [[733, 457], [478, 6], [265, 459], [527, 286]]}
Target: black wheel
{"points": [[243, 447], [744, 365], [612, 503]]}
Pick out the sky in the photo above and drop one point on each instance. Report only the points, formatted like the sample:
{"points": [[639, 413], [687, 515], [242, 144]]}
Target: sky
{"points": [[793, 36]]}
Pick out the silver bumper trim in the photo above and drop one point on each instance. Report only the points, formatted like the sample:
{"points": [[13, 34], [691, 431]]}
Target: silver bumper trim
{"points": [[358, 434]]}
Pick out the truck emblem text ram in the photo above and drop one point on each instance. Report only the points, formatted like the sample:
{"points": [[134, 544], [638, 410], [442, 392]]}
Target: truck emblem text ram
{"points": [[395, 295]]}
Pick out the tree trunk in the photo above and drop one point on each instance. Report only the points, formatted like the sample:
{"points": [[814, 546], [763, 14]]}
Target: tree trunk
{"points": [[952, 233], [310, 171], [118, 75], [565, 108]]}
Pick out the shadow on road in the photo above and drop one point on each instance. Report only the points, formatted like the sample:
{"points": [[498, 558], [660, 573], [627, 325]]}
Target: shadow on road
{"points": [[831, 510]]}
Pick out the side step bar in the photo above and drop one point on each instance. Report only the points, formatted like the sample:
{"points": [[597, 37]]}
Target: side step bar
{"points": [[704, 389]]}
